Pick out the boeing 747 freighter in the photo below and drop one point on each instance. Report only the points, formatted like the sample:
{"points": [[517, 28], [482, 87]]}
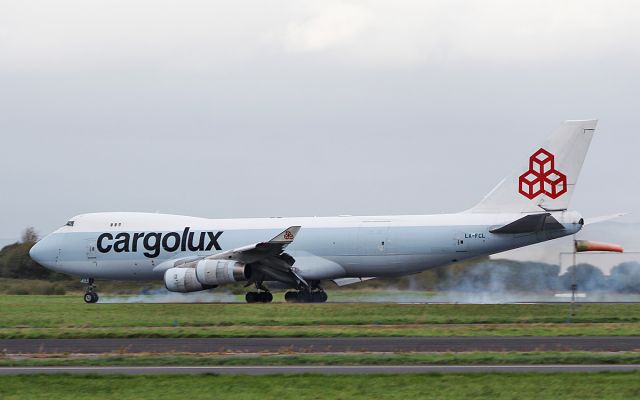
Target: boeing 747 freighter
{"points": [[192, 254]]}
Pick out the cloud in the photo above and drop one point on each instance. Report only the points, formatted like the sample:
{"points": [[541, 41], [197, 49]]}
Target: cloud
{"points": [[80, 34], [497, 31], [329, 25], [365, 98]]}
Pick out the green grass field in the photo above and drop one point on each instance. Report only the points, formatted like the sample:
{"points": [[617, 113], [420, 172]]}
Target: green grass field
{"points": [[68, 316], [521, 386], [212, 359], [326, 331]]}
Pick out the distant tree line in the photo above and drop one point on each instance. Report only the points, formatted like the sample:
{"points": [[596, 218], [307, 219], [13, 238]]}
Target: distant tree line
{"points": [[15, 261], [507, 275], [474, 275]]}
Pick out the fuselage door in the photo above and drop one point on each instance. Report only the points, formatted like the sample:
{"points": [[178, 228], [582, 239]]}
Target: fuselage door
{"points": [[91, 249], [461, 244]]}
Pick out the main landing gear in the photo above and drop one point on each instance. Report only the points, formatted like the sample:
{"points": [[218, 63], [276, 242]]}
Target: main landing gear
{"points": [[306, 296], [259, 297], [90, 295], [262, 296]]}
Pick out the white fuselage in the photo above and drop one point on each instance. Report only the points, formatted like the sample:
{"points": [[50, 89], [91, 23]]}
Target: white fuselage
{"points": [[141, 246]]}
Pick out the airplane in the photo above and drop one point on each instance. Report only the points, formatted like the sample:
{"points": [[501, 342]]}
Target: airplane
{"points": [[193, 254]]}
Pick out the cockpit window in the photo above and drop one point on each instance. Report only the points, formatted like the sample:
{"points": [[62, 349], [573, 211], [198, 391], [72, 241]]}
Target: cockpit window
{"points": [[69, 223]]}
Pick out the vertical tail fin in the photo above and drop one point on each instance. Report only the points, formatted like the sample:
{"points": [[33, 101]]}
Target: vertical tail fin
{"points": [[547, 179]]}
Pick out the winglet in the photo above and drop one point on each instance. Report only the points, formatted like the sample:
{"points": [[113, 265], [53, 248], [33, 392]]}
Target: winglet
{"points": [[286, 236]]}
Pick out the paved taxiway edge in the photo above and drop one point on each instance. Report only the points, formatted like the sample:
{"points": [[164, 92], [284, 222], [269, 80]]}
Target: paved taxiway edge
{"points": [[322, 345]]}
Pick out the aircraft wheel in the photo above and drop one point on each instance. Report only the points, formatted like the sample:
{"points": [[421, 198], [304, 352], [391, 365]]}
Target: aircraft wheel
{"points": [[319, 296], [305, 297], [251, 297], [322, 297], [291, 297], [266, 297], [91, 297]]}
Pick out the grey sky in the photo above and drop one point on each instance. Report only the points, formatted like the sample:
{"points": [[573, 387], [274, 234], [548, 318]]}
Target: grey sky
{"points": [[253, 108]]}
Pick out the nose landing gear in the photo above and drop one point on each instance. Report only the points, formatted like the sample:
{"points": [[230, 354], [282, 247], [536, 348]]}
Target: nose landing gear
{"points": [[90, 295]]}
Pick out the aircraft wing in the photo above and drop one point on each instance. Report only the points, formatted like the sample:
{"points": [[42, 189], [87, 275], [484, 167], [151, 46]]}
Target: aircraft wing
{"points": [[258, 251], [269, 252], [268, 259]]}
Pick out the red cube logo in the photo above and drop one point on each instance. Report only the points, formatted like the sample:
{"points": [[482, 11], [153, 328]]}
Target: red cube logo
{"points": [[541, 162], [542, 177], [555, 184], [530, 184]]}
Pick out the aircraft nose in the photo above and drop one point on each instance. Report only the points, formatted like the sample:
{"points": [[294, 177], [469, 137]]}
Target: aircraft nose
{"points": [[42, 253]]}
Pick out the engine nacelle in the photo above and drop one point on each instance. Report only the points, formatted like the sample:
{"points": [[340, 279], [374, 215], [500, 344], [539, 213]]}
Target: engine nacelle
{"points": [[218, 272], [183, 280]]}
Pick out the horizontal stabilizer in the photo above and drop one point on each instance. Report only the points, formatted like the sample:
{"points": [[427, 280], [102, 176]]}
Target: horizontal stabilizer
{"points": [[529, 224], [603, 218]]}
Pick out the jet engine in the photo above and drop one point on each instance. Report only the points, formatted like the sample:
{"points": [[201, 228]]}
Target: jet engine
{"points": [[183, 280], [218, 272], [206, 274]]}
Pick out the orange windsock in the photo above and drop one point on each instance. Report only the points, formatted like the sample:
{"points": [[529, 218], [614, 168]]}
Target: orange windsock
{"points": [[587, 245]]}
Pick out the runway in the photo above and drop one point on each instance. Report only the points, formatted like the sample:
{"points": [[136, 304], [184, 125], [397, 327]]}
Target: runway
{"points": [[319, 369], [322, 345]]}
